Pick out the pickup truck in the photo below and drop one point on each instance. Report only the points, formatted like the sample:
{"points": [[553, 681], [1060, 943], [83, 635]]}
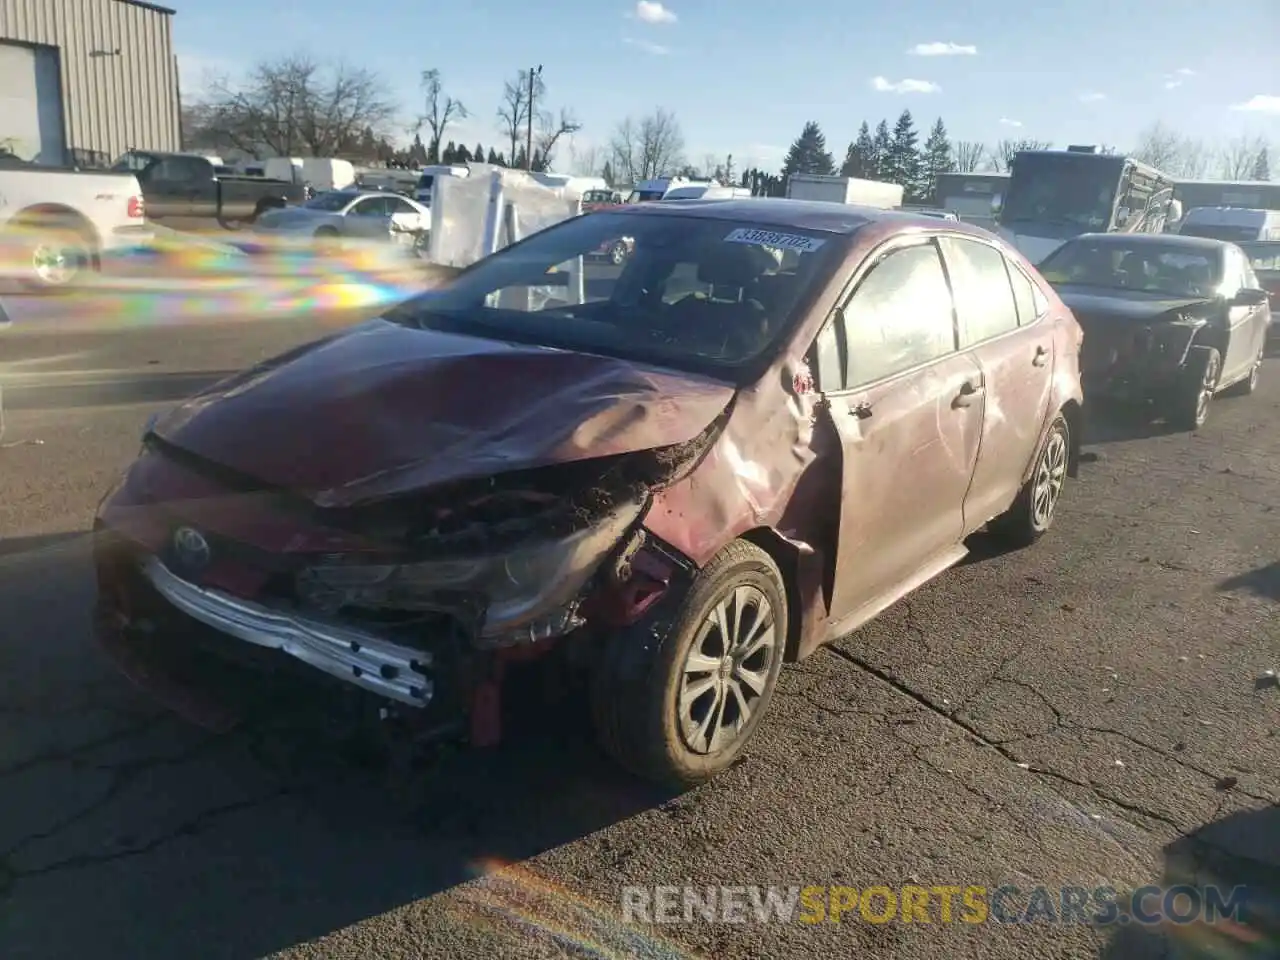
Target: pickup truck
{"points": [[57, 224], [183, 186]]}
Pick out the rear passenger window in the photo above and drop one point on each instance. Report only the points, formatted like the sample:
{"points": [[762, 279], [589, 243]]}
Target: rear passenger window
{"points": [[1025, 296], [899, 317], [984, 297]]}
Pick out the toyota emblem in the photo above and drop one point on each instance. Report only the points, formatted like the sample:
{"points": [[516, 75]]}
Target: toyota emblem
{"points": [[191, 549]]}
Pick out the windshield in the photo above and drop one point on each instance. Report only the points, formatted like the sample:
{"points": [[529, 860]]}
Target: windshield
{"points": [[645, 196], [597, 196], [693, 293], [1144, 265], [1077, 190], [1263, 255], [332, 202]]}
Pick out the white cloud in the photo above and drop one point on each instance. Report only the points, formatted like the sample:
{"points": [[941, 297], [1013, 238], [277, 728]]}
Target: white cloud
{"points": [[1092, 97], [651, 11], [1185, 72], [939, 48], [1006, 122], [884, 85], [657, 49], [1172, 81], [1172, 84], [1260, 103]]}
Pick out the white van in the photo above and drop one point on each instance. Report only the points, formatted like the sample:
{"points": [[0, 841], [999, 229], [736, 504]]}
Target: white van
{"points": [[1233, 224]]}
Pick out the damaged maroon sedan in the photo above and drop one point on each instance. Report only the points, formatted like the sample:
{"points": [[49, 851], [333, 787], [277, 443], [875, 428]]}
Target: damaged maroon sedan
{"points": [[776, 419]]}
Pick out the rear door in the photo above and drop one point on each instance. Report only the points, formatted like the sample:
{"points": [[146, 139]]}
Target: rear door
{"points": [[369, 217], [907, 408], [1247, 324], [999, 314]]}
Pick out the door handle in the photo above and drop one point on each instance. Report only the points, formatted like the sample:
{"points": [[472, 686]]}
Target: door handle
{"points": [[968, 391], [1041, 357], [860, 410]]}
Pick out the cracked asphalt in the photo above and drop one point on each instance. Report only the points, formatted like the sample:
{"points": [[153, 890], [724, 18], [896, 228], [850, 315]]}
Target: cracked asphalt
{"points": [[1056, 716]]}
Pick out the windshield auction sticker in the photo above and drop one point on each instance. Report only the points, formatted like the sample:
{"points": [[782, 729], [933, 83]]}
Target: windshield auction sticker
{"points": [[767, 238]]}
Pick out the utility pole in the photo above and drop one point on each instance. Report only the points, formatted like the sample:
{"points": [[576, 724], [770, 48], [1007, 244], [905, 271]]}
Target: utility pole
{"points": [[534, 74]]}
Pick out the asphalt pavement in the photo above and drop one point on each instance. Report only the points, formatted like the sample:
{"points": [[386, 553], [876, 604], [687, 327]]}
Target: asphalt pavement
{"points": [[1057, 716]]}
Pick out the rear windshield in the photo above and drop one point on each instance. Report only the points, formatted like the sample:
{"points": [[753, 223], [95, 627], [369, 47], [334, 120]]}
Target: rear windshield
{"points": [[1264, 255], [332, 202], [1232, 233], [693, 293]]}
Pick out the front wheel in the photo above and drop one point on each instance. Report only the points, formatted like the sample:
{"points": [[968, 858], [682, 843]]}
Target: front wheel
{"points": [[1200, 383], [618, 253], [681, 709], [1249, 385], [1032, 512]]}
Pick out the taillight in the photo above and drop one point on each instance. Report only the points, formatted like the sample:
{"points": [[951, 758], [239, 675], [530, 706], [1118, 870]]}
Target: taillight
{"points": [[137, 208]]}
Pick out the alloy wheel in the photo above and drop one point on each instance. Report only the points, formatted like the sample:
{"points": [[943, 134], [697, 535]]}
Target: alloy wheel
{"points": [[727, 670], [1050, 476], [1207, 385]]}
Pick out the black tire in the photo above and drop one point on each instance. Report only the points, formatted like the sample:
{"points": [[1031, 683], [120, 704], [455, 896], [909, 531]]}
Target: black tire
{"points": [[1249, 385], [326, 240], [1190, 404], [636, 683], [618, 254], [59, 256], [1031, 515]]}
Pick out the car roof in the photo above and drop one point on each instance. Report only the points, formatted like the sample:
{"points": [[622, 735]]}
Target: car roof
{"points": [[1205, 244], [823, 216]]}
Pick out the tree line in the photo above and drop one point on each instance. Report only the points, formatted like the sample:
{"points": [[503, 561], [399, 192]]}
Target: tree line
{"points": [[299, 106]]}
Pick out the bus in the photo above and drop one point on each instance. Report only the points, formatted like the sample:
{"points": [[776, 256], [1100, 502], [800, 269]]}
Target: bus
{"points": [[1251, 194], [1054, 195], [973, 197]]}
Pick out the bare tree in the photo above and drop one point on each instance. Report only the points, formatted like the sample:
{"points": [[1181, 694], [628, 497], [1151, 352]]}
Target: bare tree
{"points": [[1171, 152], [440, 111], [513, 111], [585, 160], [650, 147], [969, 155], [551, 127], [1240, 156], [1001, 155], [295, 106]]}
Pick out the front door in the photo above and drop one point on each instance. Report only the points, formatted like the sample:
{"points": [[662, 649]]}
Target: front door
{"points": [[1247, 323], [998, 313], [908, 411]]}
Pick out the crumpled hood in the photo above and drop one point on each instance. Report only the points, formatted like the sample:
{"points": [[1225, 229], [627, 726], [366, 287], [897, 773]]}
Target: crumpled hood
{"points": [[382, 409], [1123, 305]]}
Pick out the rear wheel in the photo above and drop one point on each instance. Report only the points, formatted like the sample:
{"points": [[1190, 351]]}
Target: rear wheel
{"points": [[681, 707], [1200, 382], [52, 257], [1031, 514], [1250, 383], [618, 253]]}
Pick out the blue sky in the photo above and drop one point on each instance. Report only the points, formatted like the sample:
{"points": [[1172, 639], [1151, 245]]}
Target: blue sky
{"points": [[743, 78]]}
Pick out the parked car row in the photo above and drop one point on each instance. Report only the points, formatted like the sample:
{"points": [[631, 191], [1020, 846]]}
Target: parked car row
{"points": [[774, 421]]}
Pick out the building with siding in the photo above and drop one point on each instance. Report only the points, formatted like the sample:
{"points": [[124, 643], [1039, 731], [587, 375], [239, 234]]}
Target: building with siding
{"points": [[82, 81]]}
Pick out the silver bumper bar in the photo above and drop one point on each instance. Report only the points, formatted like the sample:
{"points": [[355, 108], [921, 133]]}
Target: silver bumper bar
{"points": [[359, 657]]}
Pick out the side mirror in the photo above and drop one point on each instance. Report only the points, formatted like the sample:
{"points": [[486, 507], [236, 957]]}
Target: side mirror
{"points": [[1250, 297]]}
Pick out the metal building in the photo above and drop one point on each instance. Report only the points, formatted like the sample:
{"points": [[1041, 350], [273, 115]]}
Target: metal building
{"points": [[81, 81]]}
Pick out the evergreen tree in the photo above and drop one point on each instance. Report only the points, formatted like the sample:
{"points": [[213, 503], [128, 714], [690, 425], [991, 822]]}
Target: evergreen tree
{"points": [[496, 158], [450, 152], [477, 155], [607, 173], [937, 159], [518, 160], [881, 144], [1262, 166], [902, 165], [859, 159], [809, 153], [461, 155]]}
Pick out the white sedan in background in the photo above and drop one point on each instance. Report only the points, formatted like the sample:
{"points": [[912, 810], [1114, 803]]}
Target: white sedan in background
{"points": [[363, 214]]}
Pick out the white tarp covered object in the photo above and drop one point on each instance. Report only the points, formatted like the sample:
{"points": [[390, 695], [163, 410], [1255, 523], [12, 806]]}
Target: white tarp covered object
{"points": [[473, 216]]}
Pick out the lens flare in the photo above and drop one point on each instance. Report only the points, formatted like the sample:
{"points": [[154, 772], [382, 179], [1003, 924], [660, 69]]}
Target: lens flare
{"points": [[172, 277]]}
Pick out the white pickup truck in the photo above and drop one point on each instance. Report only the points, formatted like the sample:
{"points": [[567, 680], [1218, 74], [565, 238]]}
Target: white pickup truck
{"points": [[56, 224]]}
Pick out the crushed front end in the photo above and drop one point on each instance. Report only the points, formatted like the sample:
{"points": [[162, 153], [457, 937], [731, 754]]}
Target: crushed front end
{"points": [[416, 602], [1132, 361]]}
